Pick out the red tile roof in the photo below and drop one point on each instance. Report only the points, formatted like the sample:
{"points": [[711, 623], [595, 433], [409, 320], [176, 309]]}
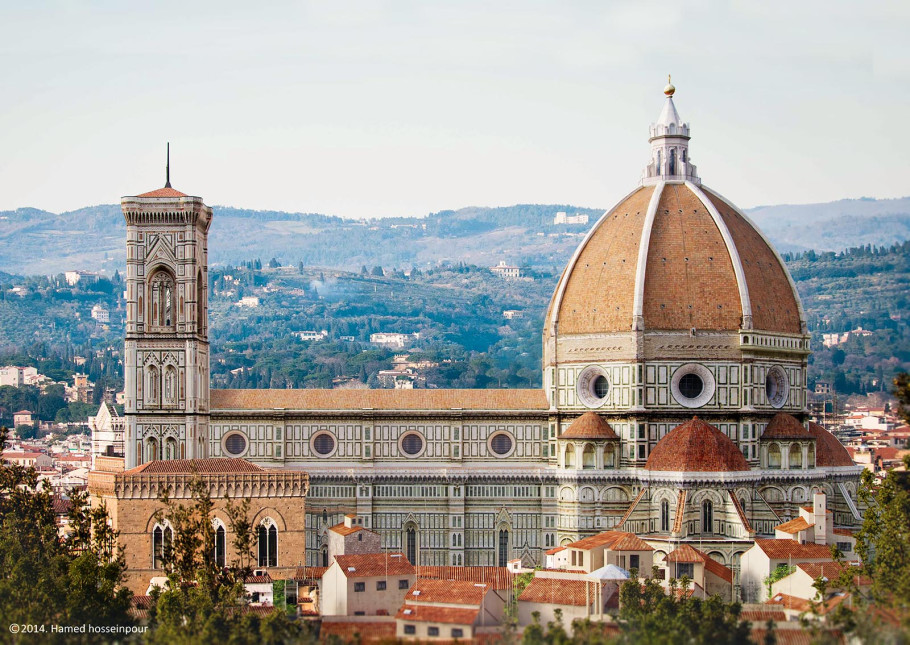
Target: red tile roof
{"points": [[590, 425], [696, 446], [830, 570], [606, 539], [761, 615], [558, 591], [784, 549], [348, 631], [740, 512], [785, 426], [630, 542], [688, 553], [341, 529], [556, 550], [430, 614], [794, 526], [163, 192], [309, 573], [801, 604], [369, 565], [380, 399], [793, 636], [451, 592], [497, 577], [188, 466], [844, 532]]}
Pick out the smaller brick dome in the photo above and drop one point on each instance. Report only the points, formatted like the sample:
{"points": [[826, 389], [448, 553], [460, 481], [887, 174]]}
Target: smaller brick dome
{"points": [[696, 446], [590, 425], [785, 426], [828, 450]]}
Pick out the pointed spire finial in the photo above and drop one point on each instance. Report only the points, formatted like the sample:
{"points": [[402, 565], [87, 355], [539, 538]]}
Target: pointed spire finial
{"points": [[669, 90], [167, 168]]}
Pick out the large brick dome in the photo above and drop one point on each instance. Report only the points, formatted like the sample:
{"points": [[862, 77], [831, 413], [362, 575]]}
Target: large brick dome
{"points": [[696, 446], [674, 256]]}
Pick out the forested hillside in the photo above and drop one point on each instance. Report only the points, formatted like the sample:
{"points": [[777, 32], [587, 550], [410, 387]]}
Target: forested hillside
{"points": [[457, 310]]}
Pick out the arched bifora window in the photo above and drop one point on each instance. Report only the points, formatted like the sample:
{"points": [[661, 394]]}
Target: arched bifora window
{"points": [[162, 543], [707, 517], [162, 312], [267, 537], [170, 385], [151, 449]]}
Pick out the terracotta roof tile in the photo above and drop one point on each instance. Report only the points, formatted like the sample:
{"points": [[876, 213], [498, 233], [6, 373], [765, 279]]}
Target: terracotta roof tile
{"points": [[785, 426], [590, 425], [688, 265], [430, 614], [688, 553], [451, 592], [309, 573], [630, 542], [741, 512], [696, 446], [497, 577], [794, 526], [380, 399], [556, 550], [793, 636], [604, 272], [341, 529], [556, 591], [828, 450], [774, 305], [202, 466], [348, 631], [163, 192], [369, 565], [830, 570], [783, 549]]}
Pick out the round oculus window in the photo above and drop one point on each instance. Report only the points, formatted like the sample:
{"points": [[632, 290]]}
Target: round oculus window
{"points": [[593, 386], [235, 444], [324, 444], [412, 444], [501, 444], [777, 387], [692, 385]]}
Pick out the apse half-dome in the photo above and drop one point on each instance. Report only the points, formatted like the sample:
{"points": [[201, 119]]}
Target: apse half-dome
{"points": [[696, 446]]}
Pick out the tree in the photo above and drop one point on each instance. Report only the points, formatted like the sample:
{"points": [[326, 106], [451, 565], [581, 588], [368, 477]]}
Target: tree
{"points": [[650, 614], [26, 431], [902, 392], [47, 578], [203, 602], [779, 573], [377, 271]]}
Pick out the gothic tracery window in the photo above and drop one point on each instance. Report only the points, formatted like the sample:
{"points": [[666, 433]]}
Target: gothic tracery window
{"points": [[161, 300], [170, 385], [267, 537], [707, 517]]}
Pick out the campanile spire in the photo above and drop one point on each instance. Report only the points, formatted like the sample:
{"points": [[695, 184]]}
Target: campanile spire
{"points": [[669, 139]]}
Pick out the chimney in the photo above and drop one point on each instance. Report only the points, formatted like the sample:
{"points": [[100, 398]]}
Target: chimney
{"points": [[821, 518], [349, 519]]}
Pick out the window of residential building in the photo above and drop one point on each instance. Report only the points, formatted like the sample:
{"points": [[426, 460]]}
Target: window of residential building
{"points": [[410, 629], [457, 632], [360, 586], [380, 585], [403, 584], [432, 631]]}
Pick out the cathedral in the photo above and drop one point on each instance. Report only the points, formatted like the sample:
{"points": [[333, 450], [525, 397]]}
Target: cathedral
{"points": [[673, 405]]}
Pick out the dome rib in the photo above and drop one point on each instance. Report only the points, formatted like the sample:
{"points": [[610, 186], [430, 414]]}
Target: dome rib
{"points": [[696, 446], [745, 301], [767, 285], [638, 319]]}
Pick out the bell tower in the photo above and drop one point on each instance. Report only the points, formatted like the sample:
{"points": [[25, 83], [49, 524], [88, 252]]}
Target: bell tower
{"points": [[166, 353]]}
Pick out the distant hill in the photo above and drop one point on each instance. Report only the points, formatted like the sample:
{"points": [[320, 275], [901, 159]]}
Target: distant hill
{"points": [[92, 238]]}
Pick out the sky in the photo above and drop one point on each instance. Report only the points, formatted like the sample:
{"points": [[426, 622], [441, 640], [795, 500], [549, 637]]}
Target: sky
{"points": [[398, 108]]}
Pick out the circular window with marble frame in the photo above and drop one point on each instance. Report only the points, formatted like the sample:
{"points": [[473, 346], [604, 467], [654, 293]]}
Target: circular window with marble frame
{"points": [[593, 386], [319, 444], [685, 380], [497, 446], [777, 386], [232, 446], [409, 448]]}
